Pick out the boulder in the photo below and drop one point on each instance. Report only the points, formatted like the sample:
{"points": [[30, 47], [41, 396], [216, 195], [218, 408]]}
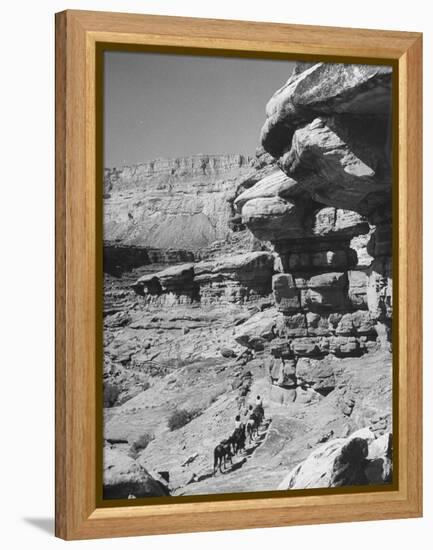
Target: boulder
{"points": [[276, 184], [318, 471], [317, 374], [319, 158], [258, 330], [349, 466], [227, 352], [273, 218], [124, 478], [351, 89]]}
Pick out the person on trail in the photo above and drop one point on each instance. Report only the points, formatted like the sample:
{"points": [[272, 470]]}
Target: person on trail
{"points": [[250, 413], [238, 436], [259, 407], [241, 402], [252, 423]]}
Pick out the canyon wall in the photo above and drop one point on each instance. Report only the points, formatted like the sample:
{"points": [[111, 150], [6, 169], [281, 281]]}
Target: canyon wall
{"points": [[181, 203], [325, 207]]}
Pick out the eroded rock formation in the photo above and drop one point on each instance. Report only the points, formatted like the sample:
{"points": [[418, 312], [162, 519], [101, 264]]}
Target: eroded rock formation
{"points": [[325, 207], [232, 278]]}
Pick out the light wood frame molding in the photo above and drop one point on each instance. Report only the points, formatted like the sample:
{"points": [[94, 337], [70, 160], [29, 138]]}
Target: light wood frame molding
{"points": [[78, 258]]}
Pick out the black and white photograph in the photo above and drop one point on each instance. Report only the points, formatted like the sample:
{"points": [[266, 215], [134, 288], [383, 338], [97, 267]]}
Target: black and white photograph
{"points": [[247, 285]]}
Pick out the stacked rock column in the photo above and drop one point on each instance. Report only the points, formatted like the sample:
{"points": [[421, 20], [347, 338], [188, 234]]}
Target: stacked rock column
{"points": [[328, 129], [322, 296]]}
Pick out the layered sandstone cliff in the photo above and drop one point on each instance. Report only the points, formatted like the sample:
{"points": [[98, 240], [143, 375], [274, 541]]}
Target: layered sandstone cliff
{"points": [[172, 203], [324, 204], [228, 278]]}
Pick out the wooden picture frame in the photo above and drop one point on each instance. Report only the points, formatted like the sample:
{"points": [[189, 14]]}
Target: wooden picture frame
{"points": [[79, 35]]}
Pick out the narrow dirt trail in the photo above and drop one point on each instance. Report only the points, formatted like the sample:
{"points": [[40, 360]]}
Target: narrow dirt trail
{"points": [[235, 476]]}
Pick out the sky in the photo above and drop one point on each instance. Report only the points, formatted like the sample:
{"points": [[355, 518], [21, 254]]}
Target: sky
{"points": [[165, 105]]}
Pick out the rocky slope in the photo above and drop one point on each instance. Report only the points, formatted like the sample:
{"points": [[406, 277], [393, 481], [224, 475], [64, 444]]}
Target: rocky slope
{"points": [[293, 428], [227, 277]]}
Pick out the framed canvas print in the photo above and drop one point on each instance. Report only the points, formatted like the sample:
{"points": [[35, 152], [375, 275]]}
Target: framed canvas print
{"points": [[238, 274]]}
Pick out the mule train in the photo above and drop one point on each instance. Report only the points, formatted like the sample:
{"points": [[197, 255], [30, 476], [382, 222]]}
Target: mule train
{"points": [[228, 448]]}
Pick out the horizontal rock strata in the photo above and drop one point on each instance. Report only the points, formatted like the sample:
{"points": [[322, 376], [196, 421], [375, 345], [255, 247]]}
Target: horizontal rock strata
{"points": [[328, 129], [178, 203], [119, 258], [324, 206], [231, 278]]}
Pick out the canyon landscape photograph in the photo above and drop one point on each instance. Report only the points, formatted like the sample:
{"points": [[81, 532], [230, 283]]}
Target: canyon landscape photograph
{"points": [[247, 285]]}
